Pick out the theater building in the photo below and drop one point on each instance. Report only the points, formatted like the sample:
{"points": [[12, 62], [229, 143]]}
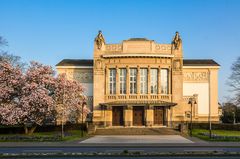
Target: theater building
{"points": [[142, 83]]}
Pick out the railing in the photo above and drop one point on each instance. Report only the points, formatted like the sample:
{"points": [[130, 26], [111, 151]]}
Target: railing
{"points": [[138, 97]]}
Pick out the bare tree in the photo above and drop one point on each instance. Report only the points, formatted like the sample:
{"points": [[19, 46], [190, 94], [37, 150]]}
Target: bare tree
{"points": [[230, 113], [234, 81], [2, 41], [10, 58]]}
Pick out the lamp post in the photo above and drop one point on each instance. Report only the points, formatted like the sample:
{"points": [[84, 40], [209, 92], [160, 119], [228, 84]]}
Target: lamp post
{"points": [[191, 101], [62, 132], [83, 104], [234, 118]]}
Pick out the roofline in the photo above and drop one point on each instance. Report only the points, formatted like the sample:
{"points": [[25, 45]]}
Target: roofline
{"points": [[59, 67], [136, 55], [203, 66]]}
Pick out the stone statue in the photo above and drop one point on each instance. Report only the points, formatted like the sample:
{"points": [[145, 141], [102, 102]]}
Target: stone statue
{"points": [[99, 40], [177, 41]]}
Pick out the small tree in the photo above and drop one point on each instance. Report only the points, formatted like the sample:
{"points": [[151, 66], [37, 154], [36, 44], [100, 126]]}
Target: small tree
{"points": [[230, 113], [234, 81], [68, 97]]}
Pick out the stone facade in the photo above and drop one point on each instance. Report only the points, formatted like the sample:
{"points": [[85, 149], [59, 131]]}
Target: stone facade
{"points": [[114, 84]]}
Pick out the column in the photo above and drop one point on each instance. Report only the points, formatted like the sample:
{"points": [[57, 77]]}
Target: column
{"points": [[107, 81], [108, 113], [128, 116], [127, 82], [159, 80], [117, 82], [138, 80], [149, 115], [169, 81], [149, 81]]}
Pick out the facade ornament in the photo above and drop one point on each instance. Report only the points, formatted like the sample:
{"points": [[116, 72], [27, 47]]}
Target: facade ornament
{"points": [[177, 41], [99, 40], [176, 64]]}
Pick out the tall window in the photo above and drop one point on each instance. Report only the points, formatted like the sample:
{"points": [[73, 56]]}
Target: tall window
{"points": [[123, 78], [164, 81], [144, 80], [154, 81], [133, 81], [112, 81]]}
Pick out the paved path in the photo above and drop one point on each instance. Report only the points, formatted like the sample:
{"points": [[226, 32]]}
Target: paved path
{"points": [[136, 139]]}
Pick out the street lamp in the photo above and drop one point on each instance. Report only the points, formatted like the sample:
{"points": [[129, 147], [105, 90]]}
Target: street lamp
{"points": [[191, 101], [62, 132], [83, 104]]}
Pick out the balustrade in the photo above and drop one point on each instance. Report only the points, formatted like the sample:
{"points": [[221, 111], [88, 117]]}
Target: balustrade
{"points": [[138, 97]]}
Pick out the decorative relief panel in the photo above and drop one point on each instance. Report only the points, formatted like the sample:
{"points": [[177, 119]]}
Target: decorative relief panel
{"points": [[114, 47], [162, 48], [177, 65], [195, 76], [83, 76], [98, 64]]}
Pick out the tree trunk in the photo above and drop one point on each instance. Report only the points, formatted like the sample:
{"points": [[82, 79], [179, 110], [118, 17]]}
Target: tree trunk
{"points": [[25, 129], [32, 129], [29, 130]]}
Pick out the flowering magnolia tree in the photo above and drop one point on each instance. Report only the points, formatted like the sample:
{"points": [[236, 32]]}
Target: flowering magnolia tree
{"points": [[11, 83], [35, 96], [69, 98]]}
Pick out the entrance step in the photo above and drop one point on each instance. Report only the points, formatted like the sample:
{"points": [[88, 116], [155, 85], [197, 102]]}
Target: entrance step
{"points": [[136, 131]]}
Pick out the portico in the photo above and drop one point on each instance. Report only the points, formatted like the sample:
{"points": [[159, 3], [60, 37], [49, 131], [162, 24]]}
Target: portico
{"points": [[135, 114]]}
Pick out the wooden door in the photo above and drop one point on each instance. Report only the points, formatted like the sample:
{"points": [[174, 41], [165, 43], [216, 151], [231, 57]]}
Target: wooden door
{"points": [[117, 115], [138, 116], [158, 116]]}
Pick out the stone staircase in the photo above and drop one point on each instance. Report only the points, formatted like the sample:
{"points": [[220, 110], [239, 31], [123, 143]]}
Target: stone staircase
{"points": [[136, 131]]}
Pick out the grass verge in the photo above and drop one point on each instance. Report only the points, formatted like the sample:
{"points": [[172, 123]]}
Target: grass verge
{"points": [[53, 136], [221, 135]]}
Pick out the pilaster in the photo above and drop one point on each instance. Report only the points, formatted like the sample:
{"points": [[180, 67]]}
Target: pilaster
{"points": [[159, 80], [117, 81], [138, 80], [127, 81], [149, 81]]}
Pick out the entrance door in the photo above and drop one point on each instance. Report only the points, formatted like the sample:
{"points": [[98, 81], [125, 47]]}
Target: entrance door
{"points": [[158, 116], [138, 116], [117, 116]]}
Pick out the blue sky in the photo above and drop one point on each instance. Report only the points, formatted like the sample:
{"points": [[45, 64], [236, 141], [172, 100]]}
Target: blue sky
{"points": [[51, 30]]}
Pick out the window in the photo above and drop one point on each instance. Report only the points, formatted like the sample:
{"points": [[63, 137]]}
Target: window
{"points": [[112, 81], [154, 81], [133, 81], [123, 78], [164, 81], [144, 80]]}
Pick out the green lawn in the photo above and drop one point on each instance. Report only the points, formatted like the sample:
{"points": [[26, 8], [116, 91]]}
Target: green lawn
{"points": [[70, 135], [196, 133]]}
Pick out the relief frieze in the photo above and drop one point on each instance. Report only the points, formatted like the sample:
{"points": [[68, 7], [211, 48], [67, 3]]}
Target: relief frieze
{"points": [[84, 77], [195, 76]]}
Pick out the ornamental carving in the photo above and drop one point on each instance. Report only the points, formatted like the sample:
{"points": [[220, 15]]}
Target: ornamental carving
{"points": [[98, 64], [162, 48], [83, 77], [114, 47], [195, 76], [177, 65]]}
